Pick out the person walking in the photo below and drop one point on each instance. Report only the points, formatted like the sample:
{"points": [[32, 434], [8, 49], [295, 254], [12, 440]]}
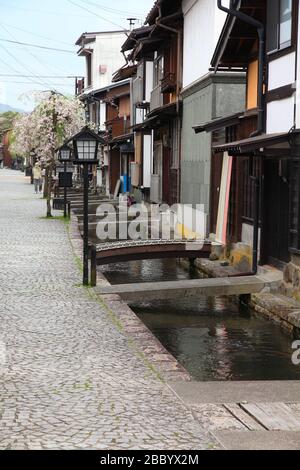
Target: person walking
{"points": [[37, 177]]}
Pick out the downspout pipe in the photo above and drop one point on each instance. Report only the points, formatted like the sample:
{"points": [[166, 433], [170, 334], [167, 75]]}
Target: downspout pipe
{"points": [[260, 125]]}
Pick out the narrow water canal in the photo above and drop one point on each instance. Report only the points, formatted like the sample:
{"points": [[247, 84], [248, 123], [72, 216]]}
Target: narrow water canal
{"points": [[213, 338]]}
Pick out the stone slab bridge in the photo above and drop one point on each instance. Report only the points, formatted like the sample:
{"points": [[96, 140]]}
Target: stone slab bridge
{"points": [[108, 253], [168, 290], [133, 250]]}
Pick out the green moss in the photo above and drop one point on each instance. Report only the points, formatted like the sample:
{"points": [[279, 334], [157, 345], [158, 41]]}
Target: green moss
{"points": [[66, 220], [86, 386]]}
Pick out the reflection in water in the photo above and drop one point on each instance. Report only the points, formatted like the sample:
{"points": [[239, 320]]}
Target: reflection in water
{"points": [[213, 338], [146, 271]]}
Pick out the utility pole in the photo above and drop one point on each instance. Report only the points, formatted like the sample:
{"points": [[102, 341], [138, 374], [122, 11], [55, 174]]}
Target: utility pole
{"points": [[132, 22]]}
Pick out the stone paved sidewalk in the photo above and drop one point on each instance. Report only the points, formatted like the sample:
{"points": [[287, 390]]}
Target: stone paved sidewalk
{"points": [[69, 378]]}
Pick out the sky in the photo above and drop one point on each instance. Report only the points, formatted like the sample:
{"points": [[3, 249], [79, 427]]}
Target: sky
{"points": [[55, 24]]}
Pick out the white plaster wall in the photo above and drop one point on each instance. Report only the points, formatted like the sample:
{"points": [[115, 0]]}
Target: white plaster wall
{"points": [[282, 71], [102, 116], [139, 116], [148, 81], [106, 52], [280, 115], [203, 22], [147, 160]]}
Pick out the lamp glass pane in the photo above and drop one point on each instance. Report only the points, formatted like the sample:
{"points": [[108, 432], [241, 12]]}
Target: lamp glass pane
{"points": [[86, 149], [65, 154]]}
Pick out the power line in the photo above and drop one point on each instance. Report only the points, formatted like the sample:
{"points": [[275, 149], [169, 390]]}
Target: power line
{"points": [[108, 9], [38, 46], [12, 68], [47, 38], [96, 14], [40, 11], [40, 76], [26, 49], [43, 83], [30, 83]]}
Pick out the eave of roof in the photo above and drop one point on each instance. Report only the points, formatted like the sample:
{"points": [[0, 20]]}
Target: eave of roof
{"points": [[153, 13], [220, 123], [168, 7], [124, 73], [146, 46], [136, 35], [84, 38], [122, 138], [92, 35], [146, 125], [105, 89], [260, 142], [165, 110], [83, 52]]}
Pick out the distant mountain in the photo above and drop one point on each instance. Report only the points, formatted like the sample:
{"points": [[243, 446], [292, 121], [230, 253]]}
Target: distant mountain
{"points": [[5, 107]]}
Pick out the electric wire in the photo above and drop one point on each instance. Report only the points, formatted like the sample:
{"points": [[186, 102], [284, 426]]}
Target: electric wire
{"points": [[25, 48], [42, 82], [20, 75], [30, 83], [96, 14], [40, 12], [38, 46], [112, 10], [47, 38]]}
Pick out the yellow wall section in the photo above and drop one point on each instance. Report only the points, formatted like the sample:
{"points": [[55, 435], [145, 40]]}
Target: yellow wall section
{"points": [[138, 147], [252, 85]]}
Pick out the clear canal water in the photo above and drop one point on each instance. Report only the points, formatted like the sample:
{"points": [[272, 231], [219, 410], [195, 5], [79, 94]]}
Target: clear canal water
{"points": [[213, 338]]}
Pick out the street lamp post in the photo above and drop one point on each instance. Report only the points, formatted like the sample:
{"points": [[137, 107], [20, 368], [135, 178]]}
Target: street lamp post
{"points": [[64, 156], [85, 145]]}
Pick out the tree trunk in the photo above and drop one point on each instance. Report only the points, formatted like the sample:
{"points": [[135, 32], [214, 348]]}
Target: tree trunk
{"points": [[45, 184], [49, 186]]}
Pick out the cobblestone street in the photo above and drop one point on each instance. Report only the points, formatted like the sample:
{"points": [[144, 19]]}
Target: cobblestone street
{"points": [[69, 378]]}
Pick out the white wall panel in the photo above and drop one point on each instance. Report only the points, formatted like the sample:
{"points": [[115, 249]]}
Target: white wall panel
{"points": [[106, 52], [147, 161], [282, 71], [203, 22], [280, 115]]}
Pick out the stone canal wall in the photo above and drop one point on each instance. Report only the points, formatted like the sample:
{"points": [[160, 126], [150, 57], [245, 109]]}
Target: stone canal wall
{"points": [[279, 305]]}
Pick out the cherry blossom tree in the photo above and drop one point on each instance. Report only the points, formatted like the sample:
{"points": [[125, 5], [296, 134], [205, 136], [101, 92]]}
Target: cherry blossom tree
{"points": [[54, 120]]}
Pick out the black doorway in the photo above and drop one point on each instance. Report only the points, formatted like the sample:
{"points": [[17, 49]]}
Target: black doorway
{"points": [[275, 243]]}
